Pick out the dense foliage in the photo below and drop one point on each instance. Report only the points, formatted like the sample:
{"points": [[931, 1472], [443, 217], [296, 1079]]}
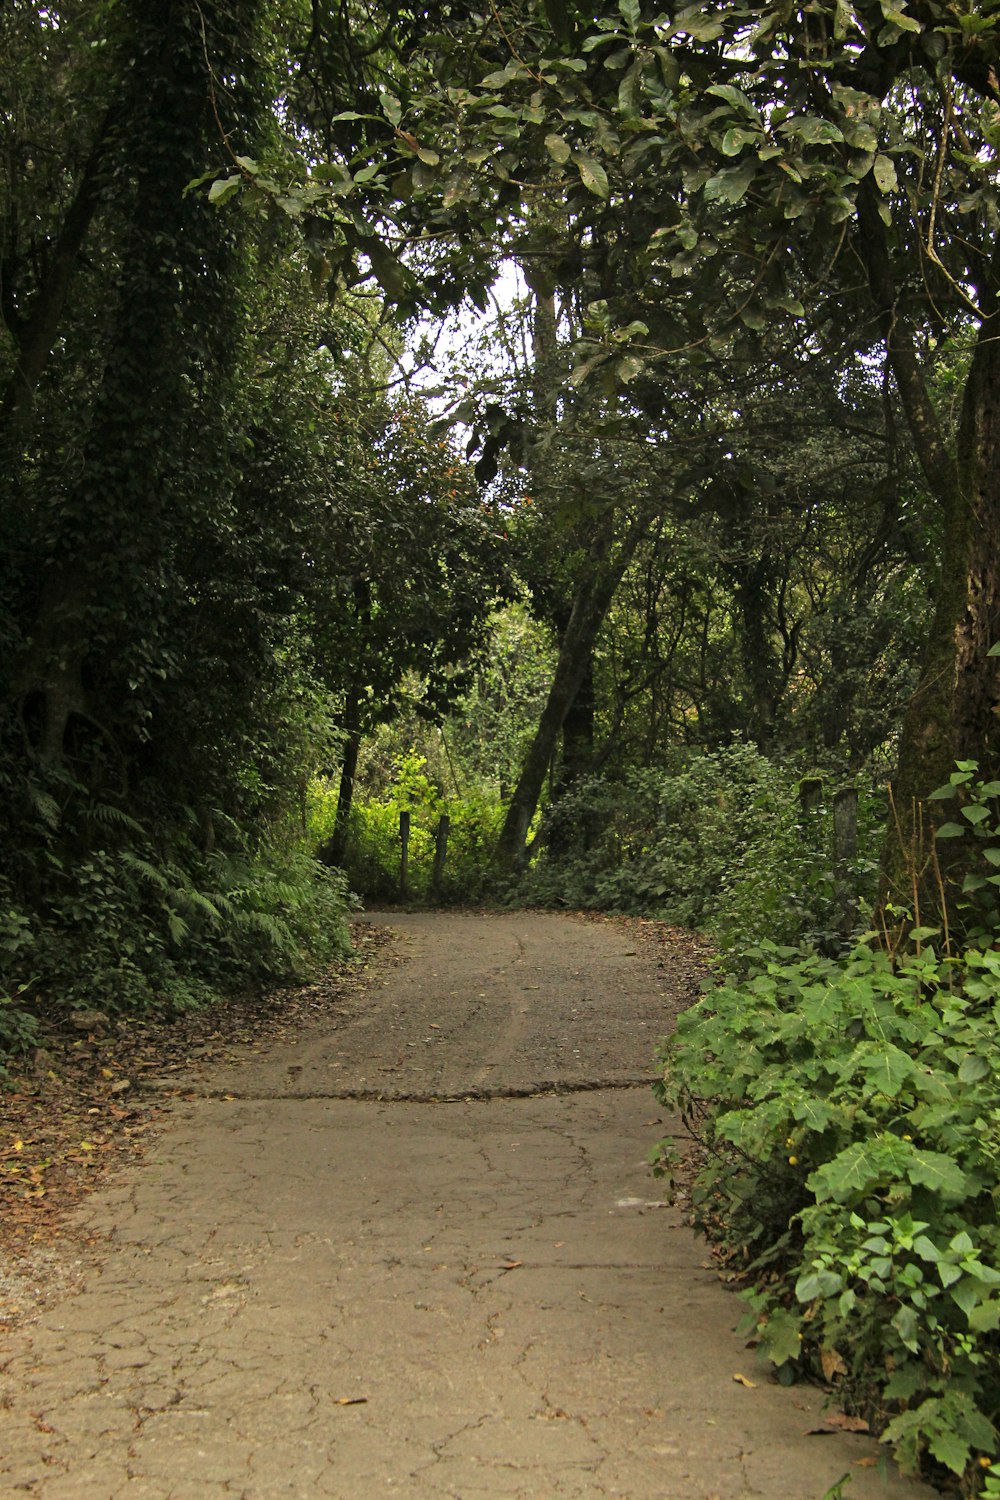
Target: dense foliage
{"points": [[849, 1169], [851, 1127], [722, 842], [225, 539]]}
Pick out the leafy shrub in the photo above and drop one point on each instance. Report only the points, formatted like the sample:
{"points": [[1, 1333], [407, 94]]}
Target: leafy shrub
{"points": [[721, 842], [970, 844], [18, 1026], [852, 1169]]}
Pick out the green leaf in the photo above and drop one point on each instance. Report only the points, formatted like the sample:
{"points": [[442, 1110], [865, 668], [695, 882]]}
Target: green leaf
{"points": [[851, 1173], [821, 1283], [907, 1325], [973, 1068], [730, 185], [735, 97], [812, 131], [592, 174], [950, 831], [949, 1449], [223, 189], [701, 28], [884, 171], [736, 137], [586, 367], [629, 367], [844, 20], [975, 813], [967, 1294], [557, 148], [780, 1337], [986, 1317], [631, 13], [940, 1173], [392, 276], [391, 108], [899, 17], [889, 1069]]}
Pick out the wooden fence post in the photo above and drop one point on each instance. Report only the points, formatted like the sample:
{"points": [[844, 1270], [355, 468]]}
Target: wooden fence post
{"points": [[404, 855], [845, 851]]}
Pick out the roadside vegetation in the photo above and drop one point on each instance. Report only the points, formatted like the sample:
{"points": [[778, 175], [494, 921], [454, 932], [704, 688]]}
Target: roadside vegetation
{"points": [[574, 433]]}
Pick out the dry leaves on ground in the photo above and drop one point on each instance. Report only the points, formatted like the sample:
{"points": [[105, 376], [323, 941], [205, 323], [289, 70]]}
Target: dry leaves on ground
{"points": [[82, 1105]]}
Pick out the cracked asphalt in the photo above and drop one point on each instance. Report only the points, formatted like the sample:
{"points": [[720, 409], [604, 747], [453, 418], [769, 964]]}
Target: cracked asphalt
{"points": [[419, 1253]]}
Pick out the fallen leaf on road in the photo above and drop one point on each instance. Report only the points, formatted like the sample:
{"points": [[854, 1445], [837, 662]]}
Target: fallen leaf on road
{"points": [[838, 1421], [867, 1463], [351, 1401], [512, 1265], [751, 1385]]}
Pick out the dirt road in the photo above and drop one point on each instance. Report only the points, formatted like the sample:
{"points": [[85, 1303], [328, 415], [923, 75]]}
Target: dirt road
{"points": [[419, 1254]]}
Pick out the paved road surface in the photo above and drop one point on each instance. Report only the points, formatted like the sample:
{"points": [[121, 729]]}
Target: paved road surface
{"points": [[376, 1261]]}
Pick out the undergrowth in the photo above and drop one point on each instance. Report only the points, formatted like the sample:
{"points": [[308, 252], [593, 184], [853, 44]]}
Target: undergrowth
{"points": [[850, 1174], [372, 858], [130, 925], [720, 841]]}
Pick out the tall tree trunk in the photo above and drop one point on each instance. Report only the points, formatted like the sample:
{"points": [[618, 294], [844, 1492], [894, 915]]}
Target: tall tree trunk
{"points": [[578, 731], [333, 850], [592, 601], [953, 712], [166, 372]]}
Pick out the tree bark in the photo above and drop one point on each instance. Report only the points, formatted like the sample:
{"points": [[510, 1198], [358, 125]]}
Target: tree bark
{"points": [[591, 603], [333, 850], [36, 333], [953, 712]]}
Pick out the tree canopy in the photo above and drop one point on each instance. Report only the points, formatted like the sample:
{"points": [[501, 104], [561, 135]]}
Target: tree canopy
{"points": [[743, 470]]}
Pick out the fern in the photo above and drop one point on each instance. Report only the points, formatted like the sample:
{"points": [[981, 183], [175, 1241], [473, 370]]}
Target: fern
{"points": [[114, 817], [149, 872], [179, 929]]}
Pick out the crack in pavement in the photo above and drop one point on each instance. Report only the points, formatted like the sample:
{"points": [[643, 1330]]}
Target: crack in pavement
{"points": [[476, 1094]]}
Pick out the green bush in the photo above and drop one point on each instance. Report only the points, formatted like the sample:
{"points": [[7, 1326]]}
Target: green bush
{"points": [[720, 843], [851, 1122]]}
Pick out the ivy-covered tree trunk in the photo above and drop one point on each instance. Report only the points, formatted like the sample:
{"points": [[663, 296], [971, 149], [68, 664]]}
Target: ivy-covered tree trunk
{"points": [[155, 452]]}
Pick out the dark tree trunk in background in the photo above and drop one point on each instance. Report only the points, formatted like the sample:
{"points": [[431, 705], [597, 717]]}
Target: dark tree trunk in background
{"points": [[333, 851], [157, 436], [594, 596]]}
